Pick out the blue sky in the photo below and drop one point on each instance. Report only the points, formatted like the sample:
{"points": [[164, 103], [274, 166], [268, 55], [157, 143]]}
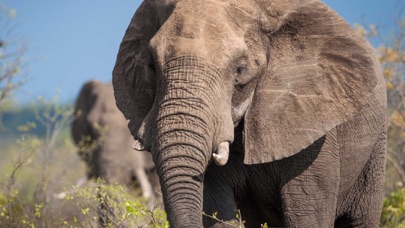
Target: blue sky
{"points": [[70, 42]]}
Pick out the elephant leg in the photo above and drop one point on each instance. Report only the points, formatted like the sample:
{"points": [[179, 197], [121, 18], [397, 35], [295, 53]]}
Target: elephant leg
{"points": [[219, 203], [143, 180], [255, 215], [363, 204], [309, 185]]}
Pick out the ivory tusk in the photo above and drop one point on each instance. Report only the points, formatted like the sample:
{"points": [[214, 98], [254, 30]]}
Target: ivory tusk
{"points": [[138, 145], [222, 155]]}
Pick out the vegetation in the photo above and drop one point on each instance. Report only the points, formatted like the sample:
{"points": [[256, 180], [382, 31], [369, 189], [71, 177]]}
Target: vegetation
{"points": [[11, 56], [393, 214], [391, 52], [40, 166]]}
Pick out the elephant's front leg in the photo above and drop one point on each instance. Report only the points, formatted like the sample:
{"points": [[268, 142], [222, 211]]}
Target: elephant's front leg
{"points": [[310, 182], [219, 196]]}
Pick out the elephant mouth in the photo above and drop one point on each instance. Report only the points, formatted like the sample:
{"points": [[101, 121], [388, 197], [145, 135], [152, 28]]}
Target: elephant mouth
{"points": [[220, 156]]}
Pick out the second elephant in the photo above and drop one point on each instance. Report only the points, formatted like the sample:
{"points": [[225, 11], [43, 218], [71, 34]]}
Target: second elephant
{"points": [[100, 131]]}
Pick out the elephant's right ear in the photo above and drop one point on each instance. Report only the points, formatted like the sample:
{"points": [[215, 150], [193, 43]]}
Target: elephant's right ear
{"points": [[133, 74]]}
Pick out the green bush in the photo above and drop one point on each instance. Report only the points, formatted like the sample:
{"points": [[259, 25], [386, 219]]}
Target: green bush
{"points": [[393, 213], [113, 205]]}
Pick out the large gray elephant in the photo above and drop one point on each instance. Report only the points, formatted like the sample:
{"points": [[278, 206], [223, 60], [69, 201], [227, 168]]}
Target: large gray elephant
{"points": [[100, 131], [273, 107]]}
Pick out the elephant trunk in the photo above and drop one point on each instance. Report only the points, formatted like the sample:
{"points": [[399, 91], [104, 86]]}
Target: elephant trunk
{"points": [[182, 157], [181, 178], [187, 130]]}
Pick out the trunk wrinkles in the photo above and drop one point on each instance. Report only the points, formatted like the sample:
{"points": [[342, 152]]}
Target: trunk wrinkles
{"points": [[185, 131]]}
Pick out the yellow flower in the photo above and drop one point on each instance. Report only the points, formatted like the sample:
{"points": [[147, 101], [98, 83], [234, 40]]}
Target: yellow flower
{"points": [[360, 30], [398, 119], [389, 85], [388, 73]]}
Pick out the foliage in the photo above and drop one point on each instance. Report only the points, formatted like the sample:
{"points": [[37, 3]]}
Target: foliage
{"points": [[237, 223], [36, 154], [393, 213], [11, 55], [80, 208], [120, 207], [17, 119], [38, 167]]}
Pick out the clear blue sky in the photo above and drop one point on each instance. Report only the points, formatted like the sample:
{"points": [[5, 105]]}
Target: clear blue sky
{"points": [[72, 41]]}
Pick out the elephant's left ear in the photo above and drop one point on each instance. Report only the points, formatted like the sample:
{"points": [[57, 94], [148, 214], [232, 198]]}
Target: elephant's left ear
{"points": [[321, 73], [81, 125]]}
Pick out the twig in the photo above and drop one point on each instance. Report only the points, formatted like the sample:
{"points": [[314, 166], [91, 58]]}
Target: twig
{"points": [[397, 166]]}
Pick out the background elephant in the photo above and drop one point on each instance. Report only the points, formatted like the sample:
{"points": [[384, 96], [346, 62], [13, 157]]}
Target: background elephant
{"points": [[100, 131], [285, 98]]}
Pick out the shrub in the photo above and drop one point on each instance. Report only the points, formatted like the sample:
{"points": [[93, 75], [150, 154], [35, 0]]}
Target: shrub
{"points": [[393, 213]]}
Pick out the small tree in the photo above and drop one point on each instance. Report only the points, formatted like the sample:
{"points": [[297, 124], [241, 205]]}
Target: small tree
{"points": [[11, 55]]}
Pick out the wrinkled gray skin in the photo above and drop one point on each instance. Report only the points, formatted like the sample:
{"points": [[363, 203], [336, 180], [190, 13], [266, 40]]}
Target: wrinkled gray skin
{"points": [[98, 120], [298, 94]]}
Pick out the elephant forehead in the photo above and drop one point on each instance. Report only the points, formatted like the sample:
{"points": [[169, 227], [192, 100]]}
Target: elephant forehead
{"points": [[198, 28]]}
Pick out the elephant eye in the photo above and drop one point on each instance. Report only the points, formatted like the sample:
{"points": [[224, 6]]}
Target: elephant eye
{"points": [[240, 70], [239, 75], [240, 67]]}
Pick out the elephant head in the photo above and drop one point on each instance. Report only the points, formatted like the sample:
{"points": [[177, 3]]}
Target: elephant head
{"points": [[100, 131], [188, 72]]}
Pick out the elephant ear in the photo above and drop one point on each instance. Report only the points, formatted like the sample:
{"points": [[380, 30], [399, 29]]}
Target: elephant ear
{"points": [[81, 126], [320, 74], [133, 74]]}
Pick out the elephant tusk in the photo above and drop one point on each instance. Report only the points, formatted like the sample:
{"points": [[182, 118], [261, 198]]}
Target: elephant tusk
{"points": [[138, 145], [222, 155]]}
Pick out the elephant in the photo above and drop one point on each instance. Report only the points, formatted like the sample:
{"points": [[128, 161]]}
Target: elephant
{"points": [[256, 111], [100, 131]]}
